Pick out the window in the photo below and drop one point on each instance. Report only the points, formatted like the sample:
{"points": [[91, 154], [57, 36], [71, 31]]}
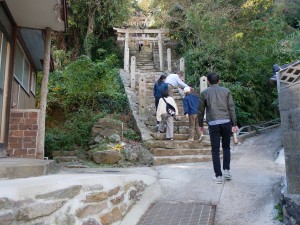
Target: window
{"points": [[33, 83], [22, 68]]}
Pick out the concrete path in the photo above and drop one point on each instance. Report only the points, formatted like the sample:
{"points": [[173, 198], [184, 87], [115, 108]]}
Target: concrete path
{"points": [[248, 199]]}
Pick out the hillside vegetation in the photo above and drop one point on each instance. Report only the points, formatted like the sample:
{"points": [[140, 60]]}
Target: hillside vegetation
{"points": [[239, 39]]}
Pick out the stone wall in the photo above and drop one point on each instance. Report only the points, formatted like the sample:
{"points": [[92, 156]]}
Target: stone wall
{"points": [[23, 132], [289, 99], [92, 204]]}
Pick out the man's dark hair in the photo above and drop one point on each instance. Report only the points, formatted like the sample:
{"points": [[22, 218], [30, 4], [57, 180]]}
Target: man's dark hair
{"points": [[213, 78]]}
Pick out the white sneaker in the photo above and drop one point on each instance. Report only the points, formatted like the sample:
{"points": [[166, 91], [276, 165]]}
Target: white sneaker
{"points": [[227, 175], [218, 179]]}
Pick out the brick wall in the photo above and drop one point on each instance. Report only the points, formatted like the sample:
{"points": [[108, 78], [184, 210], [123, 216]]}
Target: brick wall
{"points": [[23, 132]]}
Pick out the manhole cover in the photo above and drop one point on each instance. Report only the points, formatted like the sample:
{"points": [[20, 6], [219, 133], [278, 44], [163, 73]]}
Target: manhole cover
{"points": [[179, 213]]}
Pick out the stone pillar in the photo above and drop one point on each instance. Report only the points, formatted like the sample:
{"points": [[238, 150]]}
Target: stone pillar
{"points": [[181, 64], [169, 59], [203, 83], [142, 94], [132, 72], [126, 60], [125, 50], [289, 101], [160, 52]]}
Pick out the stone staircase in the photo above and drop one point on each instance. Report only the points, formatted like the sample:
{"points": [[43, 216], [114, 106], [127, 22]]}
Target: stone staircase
{"points": [[180, 150]]}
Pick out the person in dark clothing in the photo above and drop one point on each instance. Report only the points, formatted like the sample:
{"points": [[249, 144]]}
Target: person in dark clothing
{"points": [[159, 88], [220, 116], [190, 106]]}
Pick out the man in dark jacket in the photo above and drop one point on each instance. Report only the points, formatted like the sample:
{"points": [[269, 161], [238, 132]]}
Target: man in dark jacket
{"points": [[220, 116], [190, 106]]}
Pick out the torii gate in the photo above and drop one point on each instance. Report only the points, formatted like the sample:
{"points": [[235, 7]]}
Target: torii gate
{"points": [[158, 38]]}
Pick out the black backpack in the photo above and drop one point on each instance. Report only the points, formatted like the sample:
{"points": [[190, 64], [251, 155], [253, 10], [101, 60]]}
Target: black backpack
{"points": [[170, 109]]}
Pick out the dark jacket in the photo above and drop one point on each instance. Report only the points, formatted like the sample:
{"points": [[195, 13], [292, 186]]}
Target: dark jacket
{"points": [[190, 104], [218, 104], [159, 88]]}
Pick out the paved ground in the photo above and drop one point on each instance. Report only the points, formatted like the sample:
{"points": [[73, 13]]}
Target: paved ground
{"points": [[248, 199]]}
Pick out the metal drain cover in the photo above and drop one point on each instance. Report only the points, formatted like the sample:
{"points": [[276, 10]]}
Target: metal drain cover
{"points": [[179, 213]]}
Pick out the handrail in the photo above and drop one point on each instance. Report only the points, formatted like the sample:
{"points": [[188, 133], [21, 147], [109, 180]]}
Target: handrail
{"points": [[260, 127]]}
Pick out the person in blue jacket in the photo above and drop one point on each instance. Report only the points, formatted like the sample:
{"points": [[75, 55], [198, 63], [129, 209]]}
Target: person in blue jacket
{"points": [[190, 106]]}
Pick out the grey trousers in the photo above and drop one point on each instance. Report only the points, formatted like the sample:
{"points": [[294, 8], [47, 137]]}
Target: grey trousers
{"points": [[167, 120]]}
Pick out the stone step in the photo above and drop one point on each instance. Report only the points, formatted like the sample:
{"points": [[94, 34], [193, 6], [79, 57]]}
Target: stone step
{"points": [[183, 151], [181, 136], [66, 158], [177, 144], [13, 168], [162, 160]]}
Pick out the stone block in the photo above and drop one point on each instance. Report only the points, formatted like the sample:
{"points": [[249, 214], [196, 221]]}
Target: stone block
{"points": [[65, 219], [293, 184], [6, 218], [114, 191], [289, 97], [37, 210], [290, 120], [291, 142], [111, 217], [292, 164], [6, 203], [95, 187], [90, 210], [96, 197], [90, 221], [106, 157], [66, 193], [117, 200]]}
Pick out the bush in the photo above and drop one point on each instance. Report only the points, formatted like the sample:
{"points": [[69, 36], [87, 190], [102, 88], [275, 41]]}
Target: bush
{"points": [[74, 133]]}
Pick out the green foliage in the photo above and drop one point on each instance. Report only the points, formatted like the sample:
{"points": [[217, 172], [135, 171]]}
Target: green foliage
{"points": [[132, 135], [76, 96], [72, 134], [279, 216], [240, 40], [92, 20]]}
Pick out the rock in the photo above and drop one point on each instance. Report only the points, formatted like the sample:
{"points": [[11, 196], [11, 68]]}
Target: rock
{"points": [[6, 203], [90, 210], [114, 138], [64, 219], [106, 157], [6, 218], [37, 210], [137, 153], [97, 139], [90, 221], [111, 217], [68, 193], [106, 127], [96, 197]]}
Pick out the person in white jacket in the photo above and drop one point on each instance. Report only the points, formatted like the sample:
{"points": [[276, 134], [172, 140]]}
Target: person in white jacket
{"points": [[163, 117]]}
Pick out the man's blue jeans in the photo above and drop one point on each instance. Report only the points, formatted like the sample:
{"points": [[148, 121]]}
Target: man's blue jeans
{"points": [[216, 133]]}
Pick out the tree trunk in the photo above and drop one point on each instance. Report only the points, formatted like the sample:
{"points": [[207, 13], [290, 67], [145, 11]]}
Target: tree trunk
{"points": [[43, 99], [90, 31]]}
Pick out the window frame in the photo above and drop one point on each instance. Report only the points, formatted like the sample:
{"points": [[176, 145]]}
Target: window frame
{"points": [[24, 60]]}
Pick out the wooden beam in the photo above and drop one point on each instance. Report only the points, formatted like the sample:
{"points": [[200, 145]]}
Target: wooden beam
{"points": [[140, 31], [142, 39]]}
